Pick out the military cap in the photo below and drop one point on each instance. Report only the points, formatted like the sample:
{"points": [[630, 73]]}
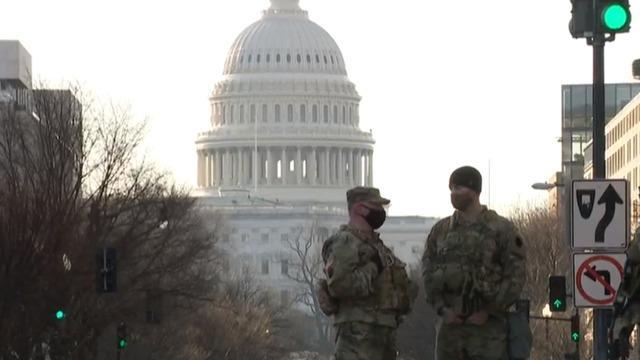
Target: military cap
{"points": [[365, 194], [468, 177]]}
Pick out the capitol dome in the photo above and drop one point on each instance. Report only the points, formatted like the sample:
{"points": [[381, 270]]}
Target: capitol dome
{"points": [[285, 40], [285, 116]]}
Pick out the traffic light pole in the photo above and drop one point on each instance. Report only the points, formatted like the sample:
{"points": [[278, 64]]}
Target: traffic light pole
{"points": [[602, 317]]}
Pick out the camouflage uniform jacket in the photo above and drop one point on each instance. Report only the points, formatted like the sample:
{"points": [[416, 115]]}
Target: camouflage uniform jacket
{"points": [[474, 266], [369, 283]]}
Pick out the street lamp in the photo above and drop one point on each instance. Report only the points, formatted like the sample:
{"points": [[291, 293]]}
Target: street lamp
{"points": [[546, 311], [545, 186]]}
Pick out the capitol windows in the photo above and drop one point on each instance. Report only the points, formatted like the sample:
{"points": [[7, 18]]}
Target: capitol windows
{"points": [[303, 113], [268, 58], [241, 120], [265, 238], [245, 238], [258, 58], [284, 267], [277, 113], [231, 115], [249, 59], [325, 114], [265, 266], [308, 58], [315, 113], [253, 113], [299, 58], [344, 114], [278, 58], [317, 58], [289, 58], [335, 114], [325, 59], [351, 115], [332, 62], [290, 113], [264, 113], [284, 238]]}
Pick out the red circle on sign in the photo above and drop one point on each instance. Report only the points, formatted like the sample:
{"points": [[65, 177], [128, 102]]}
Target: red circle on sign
{"points": [[584, 266]]}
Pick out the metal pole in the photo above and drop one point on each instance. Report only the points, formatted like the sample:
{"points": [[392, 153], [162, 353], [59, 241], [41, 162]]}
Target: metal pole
{"points": [[118, 355], [602, 317]]}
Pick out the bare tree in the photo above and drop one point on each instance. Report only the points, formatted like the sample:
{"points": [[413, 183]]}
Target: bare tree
{"points": [[71, 182], [548, 253], [244, 324], [307, 267]]}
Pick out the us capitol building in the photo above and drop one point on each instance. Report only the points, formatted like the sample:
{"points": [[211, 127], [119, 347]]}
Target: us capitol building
{"points": [[285, 145]]}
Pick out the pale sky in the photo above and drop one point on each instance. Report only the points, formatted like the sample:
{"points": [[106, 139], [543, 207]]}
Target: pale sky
{"points": [[444, 83]]}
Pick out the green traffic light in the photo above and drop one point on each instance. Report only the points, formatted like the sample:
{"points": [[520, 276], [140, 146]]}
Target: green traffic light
{"points": [[615, 17], [575, 336], [60, 314], [557, 303], [122, 344]]}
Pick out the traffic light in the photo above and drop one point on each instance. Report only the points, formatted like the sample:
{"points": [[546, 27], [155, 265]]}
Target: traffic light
{"points": [[613, 16], [575, 328], [557, 293], [60, 314], [106, 275], [581, 24], [121, 333]]}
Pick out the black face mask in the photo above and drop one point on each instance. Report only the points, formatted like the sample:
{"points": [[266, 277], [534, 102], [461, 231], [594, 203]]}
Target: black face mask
{"points": [[376, 217]]}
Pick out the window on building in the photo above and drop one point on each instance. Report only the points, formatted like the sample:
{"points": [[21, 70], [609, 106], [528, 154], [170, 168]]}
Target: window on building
{"points": [[284, 267], [290, 113], [253, 114], [277, 113], [325, 113], [241, 121], [284, 238], [245, 238], [265, 266], [335, 114], [278, 58], [264, 113], [314, 113]]}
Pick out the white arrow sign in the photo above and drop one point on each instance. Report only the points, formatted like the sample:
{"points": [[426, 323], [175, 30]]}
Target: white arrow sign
{"points": [[600, 214]]}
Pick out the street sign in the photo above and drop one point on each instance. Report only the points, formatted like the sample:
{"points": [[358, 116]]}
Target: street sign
{"points": [[600, 214], [596, 278]]}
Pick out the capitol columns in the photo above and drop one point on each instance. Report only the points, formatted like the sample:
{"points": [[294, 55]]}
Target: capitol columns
{"points": [[298, 166], [241, 177], [216, 167], [270, 166], [313, 165], [284, 168], [326, 169]]}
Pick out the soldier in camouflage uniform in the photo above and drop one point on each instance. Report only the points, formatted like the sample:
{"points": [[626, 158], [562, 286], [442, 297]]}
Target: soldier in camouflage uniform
{"points": [[473, 269], [367, 288]]}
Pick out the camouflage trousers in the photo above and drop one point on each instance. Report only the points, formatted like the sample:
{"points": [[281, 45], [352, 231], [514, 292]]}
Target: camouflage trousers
{"points": [[362, 341], [472, 342]]}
